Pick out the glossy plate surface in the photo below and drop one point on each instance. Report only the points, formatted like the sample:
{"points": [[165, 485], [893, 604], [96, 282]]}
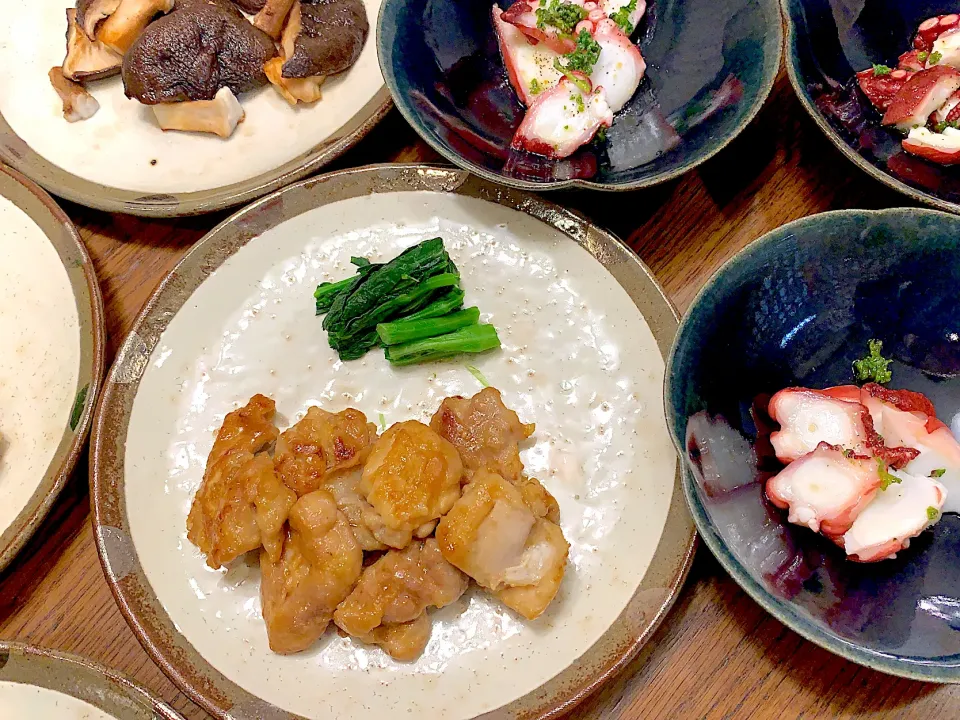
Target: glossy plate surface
{"points": [[795, 308], [51, 355], [40, 683], [585, 331], [827, 42], [120, 161], [443, 67]]}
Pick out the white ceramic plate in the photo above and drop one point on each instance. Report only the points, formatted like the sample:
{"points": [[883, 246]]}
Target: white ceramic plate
{"points": [[120, 160], [51, 355], [579, 359]]}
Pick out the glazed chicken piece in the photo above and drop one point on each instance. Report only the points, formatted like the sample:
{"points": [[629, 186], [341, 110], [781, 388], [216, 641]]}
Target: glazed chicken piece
{"points": [[320, 563], [411, 478], [495, 538], [320, 445], [827, 489], [241, 504], [485, 431], [404, 642], [398, 588], [536, 497], [364, 521]]}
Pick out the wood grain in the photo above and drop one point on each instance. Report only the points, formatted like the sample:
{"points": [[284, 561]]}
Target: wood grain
{"points": [[718, 655]]}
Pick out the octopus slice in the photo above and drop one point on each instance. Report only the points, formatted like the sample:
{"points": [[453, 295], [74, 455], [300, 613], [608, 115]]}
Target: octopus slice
{"points": [[492, 535], [920, 96], [399, 587], [319, 566], [809, 417], [485, 432], [320, 445], [620, 67], [523, 16], [530, 66], [827, 489], [634, 15], [240, 504], [882, 89], [411, 478], [562, 119], [900, 512], [931, 29]]}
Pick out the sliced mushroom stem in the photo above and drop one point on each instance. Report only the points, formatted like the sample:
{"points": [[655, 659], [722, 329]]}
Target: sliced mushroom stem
{"points": [[78, 104], [87, 59], [119, 30], [272, 17], [293, 90], [91, 13], [219, 116]]}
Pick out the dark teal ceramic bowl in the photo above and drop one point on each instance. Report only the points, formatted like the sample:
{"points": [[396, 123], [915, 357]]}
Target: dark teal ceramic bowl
{"points": [[795, 308], [442, 65], [827, 42]]}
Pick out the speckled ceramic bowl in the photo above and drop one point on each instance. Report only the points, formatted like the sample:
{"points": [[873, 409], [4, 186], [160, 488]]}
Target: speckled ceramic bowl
{"points": [[826, 44], [795, 308], [36, 683], [442, 65]]}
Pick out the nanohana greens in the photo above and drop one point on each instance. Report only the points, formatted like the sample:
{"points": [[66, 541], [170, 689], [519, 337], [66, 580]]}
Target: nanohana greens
{"points": [[412, 306]]}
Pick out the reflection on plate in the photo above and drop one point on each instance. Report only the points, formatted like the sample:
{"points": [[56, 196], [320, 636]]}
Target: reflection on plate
{"points": [[119, 160], [583, 343], [51, 355], [39, 683]]}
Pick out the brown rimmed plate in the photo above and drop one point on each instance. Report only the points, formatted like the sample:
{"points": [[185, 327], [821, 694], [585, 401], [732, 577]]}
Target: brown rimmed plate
{"points": [[40, 683], [51, 355], [120, 161], [236, 317]]}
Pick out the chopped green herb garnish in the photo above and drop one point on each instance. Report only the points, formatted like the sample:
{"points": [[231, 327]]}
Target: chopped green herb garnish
{"points": [[586, 54], [848, 453], [578, 101], [601, 135], [535, 87], [581, 83], [882, 70], [874, 367], [622, 17], [935, 58], [77, 412], [938, 473], [886, 478], [563, 16], [940, 126], [383, 423], [923, 55], [478, 375], [932, 513]]}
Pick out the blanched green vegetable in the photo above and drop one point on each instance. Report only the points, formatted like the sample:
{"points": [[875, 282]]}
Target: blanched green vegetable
{"points": [[407, 330], [471, 339]]}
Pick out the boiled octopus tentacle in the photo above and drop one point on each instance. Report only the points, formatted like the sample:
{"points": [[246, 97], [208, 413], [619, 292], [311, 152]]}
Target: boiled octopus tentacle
{"points": [[562, 119], [932, 28]]}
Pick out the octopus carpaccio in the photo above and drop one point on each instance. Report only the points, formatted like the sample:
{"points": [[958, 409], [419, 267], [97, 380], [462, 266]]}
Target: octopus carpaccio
{"points": [[573, 66], [920, 96], [868, 467]]}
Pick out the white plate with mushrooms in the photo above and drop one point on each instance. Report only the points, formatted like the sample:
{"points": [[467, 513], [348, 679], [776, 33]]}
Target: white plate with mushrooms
{"points": [[220, 80]]}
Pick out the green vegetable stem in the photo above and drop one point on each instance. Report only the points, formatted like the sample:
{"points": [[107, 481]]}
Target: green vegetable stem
{"points": [[471, 339], [407, 330]]}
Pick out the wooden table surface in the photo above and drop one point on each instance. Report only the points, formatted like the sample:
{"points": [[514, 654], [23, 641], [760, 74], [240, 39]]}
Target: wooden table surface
{"points": [[718, 654]]}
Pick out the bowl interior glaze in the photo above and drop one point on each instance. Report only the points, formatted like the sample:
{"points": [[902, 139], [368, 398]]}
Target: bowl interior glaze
{"points": [[795, 309], [443, 67]]}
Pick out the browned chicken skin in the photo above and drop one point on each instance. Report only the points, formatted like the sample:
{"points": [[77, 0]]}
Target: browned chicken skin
{"points": [[485, 431], [320, 445], [399, 587], [404, 642], [240, 504], [412, 477], [498, 540], [320, 563]]}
